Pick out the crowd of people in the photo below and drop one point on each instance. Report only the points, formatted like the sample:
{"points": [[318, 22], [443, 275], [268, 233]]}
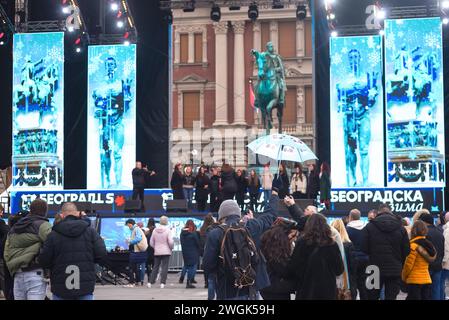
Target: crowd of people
{"points": [[243, 256], [225, 183]]}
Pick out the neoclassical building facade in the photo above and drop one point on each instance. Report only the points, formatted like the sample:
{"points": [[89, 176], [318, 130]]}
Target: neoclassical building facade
{"points": [[212, 71]]}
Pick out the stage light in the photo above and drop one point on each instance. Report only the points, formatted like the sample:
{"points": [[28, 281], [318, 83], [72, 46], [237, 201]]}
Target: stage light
{"points": [[215, 13], [331, 16], [277, 4], [253, 12], [70, 29], [189, 6], [120, 24], [114, 6], [66, 10], [381, 14], [445, 4], [301, 12], [445, 21], [78, 49], [381, 32], [334, 34], [127, 43]]}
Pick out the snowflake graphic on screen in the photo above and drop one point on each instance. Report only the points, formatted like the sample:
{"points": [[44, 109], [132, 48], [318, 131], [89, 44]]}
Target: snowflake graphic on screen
{"points": [[337, 59], [371, 43], [94, 64], [401, 34], [112, 51], [128, 67], [19, 45], [391, 39], [55, 54], [432, 40], [374, 58], [345, 50]]}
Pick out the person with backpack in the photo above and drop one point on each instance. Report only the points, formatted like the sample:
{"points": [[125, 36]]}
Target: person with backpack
{"points": [[232, 251], [316, 262], [191, 246], [138, 254], [386, 243]]}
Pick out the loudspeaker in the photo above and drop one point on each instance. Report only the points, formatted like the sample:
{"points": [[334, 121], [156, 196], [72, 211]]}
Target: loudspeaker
{"points": [[177, 206], [302, 203], [154, 203], [132, 206], [87, 207]]}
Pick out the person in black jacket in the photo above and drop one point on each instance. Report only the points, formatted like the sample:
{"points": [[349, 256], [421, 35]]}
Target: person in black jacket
{"points": [[313, 182], [282, 180], [242, 185], [191, 249], [139, 181], [277, 247], [254, 190], [436, 237], [228, 182], [70, 252], [201, 189], [387, 245], [215, 190], [316, 262], [177, 180]]}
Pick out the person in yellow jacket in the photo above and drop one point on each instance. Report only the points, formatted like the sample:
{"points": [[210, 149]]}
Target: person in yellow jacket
{"points": [[415, 272]]}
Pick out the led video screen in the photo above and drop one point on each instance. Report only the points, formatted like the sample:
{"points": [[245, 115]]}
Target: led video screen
{"points": [[111, 148], [115, 233], [357, 112], [38, 111], [415, 103]]}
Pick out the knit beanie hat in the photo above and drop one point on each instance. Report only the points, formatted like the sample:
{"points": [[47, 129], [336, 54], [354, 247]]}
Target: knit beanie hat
{"points": [[163, 220], [229, 208], [427, 218]]}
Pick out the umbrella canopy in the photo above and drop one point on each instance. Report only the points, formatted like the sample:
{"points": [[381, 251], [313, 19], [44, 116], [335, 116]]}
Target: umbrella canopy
{"points": [[282, 147]]}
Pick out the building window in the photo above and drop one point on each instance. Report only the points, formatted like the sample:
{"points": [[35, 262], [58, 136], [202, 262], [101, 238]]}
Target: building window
{"points": [[198, 48], [290, 106], [184, 56], [191, 108], [308, 38], [309, 104], [265, 32], [287, 36]]}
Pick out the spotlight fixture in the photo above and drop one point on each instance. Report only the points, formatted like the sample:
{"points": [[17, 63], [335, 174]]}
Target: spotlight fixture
{"points": [[445, 21], [301, 12], [215, 13], [66, 10], [253, 12], [277, 4], [334, 34], [70, 29], [381, 32], [120, 24], [114, 6], [78, 49], [381, 14], [444, 4], [126, 43], [189, 6]]}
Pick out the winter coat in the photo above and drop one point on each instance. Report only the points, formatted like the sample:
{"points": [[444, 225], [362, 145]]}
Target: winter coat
{"points": [[4, 229], [24, 242], [267, 180], [281, 284], [191, 247], [214, 185], [313, 185], [139, 177], [416, 267], [162, 241], [355, 233], [138, 238], [72, 243], [176, 184], [437, 239], [242, 184], [253, 187], [446, 247], [200, 192], [228, 181], [351, 261], [284, 183], [386, 243], [325, 187], [315, 270], [211, 260], [188, 181], [298, 185]]}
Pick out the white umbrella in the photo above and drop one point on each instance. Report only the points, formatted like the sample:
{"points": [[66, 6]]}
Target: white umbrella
{"points": [[282, 147]]}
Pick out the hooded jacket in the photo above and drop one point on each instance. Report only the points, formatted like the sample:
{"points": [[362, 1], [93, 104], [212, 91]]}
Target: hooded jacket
{"points": [[437, 239], [191, 247], [72, 243], [386, 243], [355, 233], [24, 242], [416, 267], [162, 241]]}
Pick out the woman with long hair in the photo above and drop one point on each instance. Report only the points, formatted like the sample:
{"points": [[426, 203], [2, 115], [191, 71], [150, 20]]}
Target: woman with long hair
{"points": [[191, 246], [350, 255], [151, 225], [416, 268], [277, 246], [242, 185], [313, 182], [267, 184], [325, 185], [298, 183], [254, 190], [281, 180], [202, 189], [316, 262], [177, 180], [188, 185]]}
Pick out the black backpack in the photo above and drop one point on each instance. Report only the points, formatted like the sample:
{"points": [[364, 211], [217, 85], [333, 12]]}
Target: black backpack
{"points": [[239, 256]]}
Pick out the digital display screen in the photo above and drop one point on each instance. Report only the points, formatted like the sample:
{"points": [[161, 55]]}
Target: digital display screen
{"points": [[357, 112], [415, 103], [111, 148], [115, 232], [38, 111]]}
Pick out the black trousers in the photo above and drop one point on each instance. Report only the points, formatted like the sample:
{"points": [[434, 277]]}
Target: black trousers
{"points": [[139, 193], [201, 204], [254, 199], [419, 292], [392, 288], [215, 202], [361, 280]]}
